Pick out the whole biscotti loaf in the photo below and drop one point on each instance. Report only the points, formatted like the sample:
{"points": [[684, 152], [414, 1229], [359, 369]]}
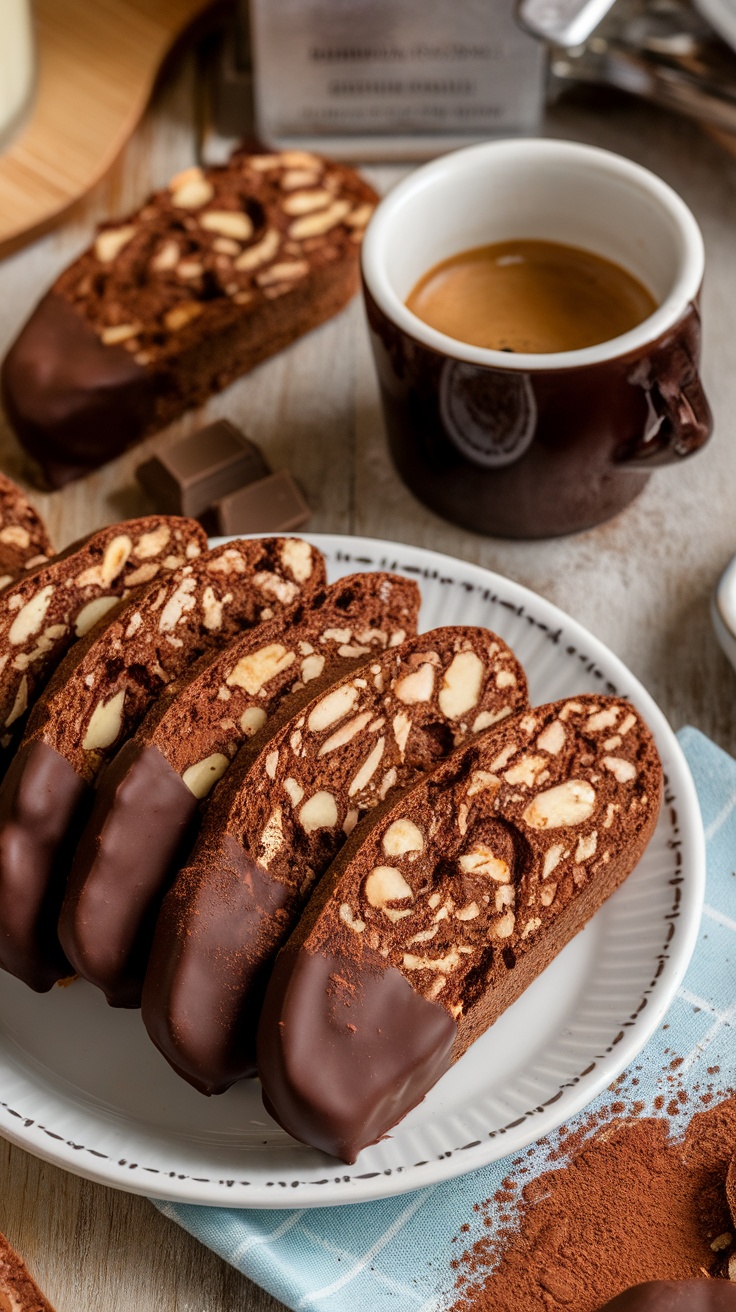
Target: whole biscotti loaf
{"points": [[215, 273], [24, 540], [96, 699], [43, 614], [148, 802], [282, 813], [454, 899]]}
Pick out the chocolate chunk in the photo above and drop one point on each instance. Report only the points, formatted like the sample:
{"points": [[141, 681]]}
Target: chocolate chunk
{"points": [[273, 505], [676, 1296], [189, 476], [334, 1066]]}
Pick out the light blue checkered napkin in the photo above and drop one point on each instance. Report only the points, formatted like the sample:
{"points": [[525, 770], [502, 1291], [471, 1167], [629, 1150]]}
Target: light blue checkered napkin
{"points": [[394, 1256]]}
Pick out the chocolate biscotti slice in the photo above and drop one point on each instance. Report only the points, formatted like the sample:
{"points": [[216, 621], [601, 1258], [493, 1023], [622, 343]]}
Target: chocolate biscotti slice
{"points": [[43, 614], [24, 539], [147, 806], [18, 1290], [220, 270], [456, 896], [96, 699], [282, 813]]}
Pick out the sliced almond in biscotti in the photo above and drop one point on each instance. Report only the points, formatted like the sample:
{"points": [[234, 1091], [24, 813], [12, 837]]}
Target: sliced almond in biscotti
{"points": [[96, 699], [521, 836], [282, 813], [46, 611], [24, 539], [150, 797]]}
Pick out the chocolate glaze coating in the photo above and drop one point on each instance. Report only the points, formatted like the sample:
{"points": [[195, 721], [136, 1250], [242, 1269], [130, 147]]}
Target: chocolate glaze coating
{"points": [[147, 811], [226, 946], [43, 805], [363, 1062], [676, 1296], [73, 402]]}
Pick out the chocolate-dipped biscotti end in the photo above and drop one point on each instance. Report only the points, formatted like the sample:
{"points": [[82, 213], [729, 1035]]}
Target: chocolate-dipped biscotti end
{"points": [[147, 802], [217, 271], [676, 1296], [289, 804], [466, 887], [73, 401], [24, 539]]}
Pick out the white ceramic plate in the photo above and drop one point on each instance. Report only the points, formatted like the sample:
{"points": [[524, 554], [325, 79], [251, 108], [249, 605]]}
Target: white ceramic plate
{"points": [[81, 1086]]}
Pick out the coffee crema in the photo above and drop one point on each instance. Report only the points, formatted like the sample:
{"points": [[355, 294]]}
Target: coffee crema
{"points": [[536, 297]]}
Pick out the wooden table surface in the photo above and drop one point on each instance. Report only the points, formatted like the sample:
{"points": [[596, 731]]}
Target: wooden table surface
{"points": [[642, 583]]}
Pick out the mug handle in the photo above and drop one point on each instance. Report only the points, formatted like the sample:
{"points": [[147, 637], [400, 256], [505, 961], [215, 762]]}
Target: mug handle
{"points": [[679, 421]]}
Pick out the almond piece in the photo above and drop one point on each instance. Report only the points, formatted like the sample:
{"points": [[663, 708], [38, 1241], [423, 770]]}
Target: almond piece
{"points": [[228, 223], [111, 241], [319, 812], [201, 777], [263, 251], [401, 837], [386, 884], [569, 803], [255, 670], [316, 225], [105, 723]]}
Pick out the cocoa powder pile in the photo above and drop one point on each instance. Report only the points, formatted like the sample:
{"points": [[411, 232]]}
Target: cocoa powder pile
{"points": [[631, 1203]]}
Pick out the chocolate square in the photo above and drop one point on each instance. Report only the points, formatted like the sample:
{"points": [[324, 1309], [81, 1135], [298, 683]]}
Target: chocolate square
{"points": [[186, 478], [272, 505]]}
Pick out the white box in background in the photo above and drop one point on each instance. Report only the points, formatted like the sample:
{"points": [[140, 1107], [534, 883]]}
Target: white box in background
{"points": [[381, 79]]}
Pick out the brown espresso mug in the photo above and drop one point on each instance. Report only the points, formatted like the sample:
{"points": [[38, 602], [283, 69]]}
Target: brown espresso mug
{"points": [[536, 445]]}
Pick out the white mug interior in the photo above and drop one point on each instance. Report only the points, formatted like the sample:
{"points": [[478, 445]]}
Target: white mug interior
{"points": [[544, 190]]}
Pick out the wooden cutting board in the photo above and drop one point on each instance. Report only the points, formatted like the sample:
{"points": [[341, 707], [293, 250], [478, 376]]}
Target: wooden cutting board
{"points": [[97, 64]]}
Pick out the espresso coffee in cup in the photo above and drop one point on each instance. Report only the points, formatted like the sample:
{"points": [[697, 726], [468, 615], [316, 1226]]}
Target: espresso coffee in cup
{"points": [[532, 296], [529, 436]]}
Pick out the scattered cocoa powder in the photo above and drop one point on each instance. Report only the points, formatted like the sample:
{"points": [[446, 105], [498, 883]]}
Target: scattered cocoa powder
{"points": [[632, 1203]]}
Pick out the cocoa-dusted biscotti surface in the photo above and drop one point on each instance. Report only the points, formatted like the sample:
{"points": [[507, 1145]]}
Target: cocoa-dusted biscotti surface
{"points": [[148, 801], [24, 539], [282, 813], [95, 700], [215, 273], [452, 901], [44, 613]]}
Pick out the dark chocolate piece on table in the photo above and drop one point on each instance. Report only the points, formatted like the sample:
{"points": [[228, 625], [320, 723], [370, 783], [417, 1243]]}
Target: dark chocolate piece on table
{"points": [[186, 478], [676, 1296], [273, 505]]}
